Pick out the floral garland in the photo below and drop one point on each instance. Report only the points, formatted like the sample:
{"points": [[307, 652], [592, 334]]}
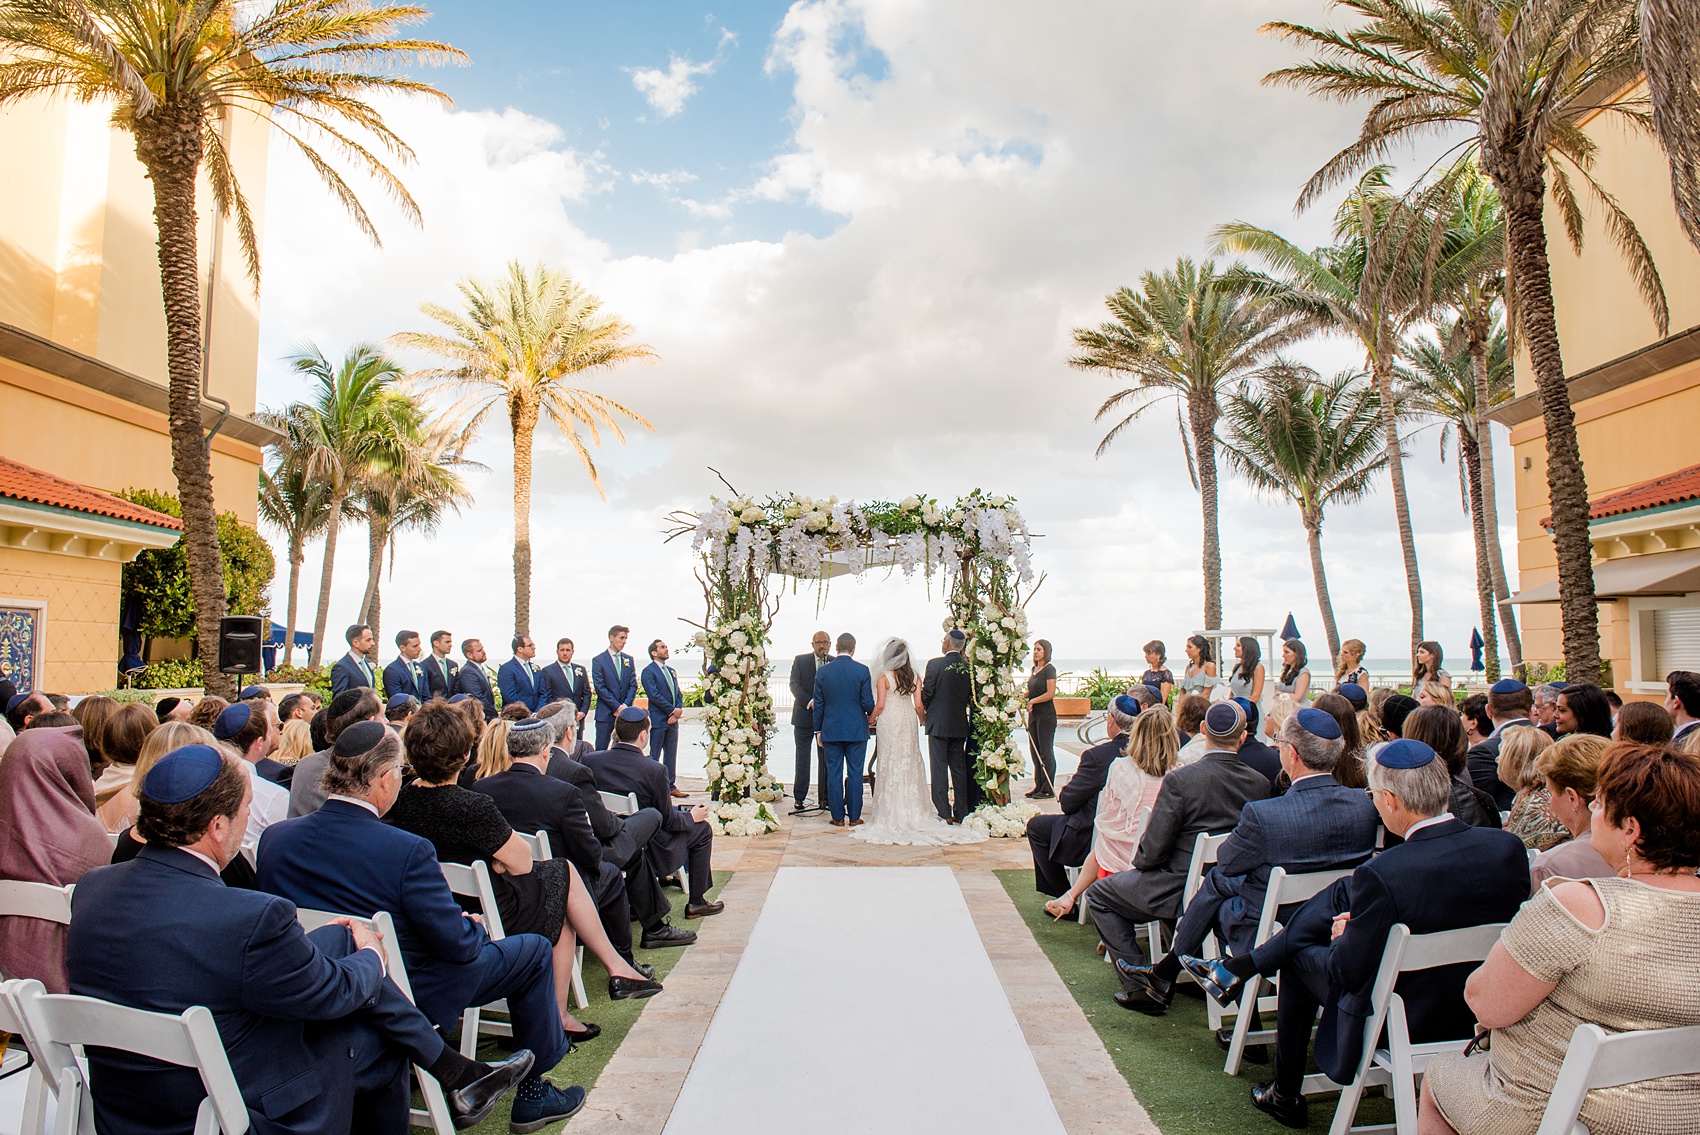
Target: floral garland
{"points": [[981, 540]]}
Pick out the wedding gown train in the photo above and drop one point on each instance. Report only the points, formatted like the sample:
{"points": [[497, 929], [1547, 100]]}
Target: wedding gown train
{"points": [[902, 806]]}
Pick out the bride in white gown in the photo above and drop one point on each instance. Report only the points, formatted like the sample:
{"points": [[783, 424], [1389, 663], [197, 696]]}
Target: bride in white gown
{"points": [[902, 810]]}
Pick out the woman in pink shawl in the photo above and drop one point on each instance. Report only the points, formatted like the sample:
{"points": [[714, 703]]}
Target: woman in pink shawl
{"points": [[48, 834]]}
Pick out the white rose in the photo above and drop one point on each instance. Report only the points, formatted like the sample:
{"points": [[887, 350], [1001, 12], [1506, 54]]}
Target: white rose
{"points": [[735, 773], [909, 504]]}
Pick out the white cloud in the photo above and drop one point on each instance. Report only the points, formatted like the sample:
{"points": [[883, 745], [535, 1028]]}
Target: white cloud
{"points": [[667, 90], [1012, 166]]}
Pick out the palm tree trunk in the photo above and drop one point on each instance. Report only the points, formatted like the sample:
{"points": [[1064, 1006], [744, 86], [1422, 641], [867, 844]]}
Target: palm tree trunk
{"points": [[1383, 367], [296, 559], [331, 529], [1313, 536], [374, 567], [168, 143], [1471, 452], [1567, 485], [1202, 412], [524, 419], [1490, 498]]}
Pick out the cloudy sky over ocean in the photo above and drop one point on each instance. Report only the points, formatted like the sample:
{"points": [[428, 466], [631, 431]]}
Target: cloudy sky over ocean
{"points": [[858, 235]]}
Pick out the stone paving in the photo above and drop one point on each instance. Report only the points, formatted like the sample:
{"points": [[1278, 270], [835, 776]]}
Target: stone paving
{"points": [[636, 1092]]}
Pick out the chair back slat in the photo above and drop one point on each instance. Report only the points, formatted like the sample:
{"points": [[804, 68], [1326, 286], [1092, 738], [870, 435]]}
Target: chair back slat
{"points": [[473, 882], [382, 924], [1598, 1059], [1203, 856], [1450, 947], [1284, 890], [35, 900], [619, 805], [538, 842]]}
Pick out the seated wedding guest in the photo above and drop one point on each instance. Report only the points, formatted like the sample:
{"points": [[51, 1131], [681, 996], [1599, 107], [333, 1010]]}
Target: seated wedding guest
{"points": [[1350, 769], [491, 752], [247, 732], [1254, 752], [343, 857], [1205, 797], [1564, 959], [1157, 677], [1616, 703], [58, 719], [206, 711], [289, 1005], [173, 709], [168, 738], [1189, 726], [1357, 695], [1571, 767], [685, 837], [1433, 692], [301, 706], [568, 739], [126, 732], [1294, 680], [270, 766], [306, 792], [92, 714], [1245, 680], [294, 742], [1064, 839], [1645, 723], [398, 709], [1200, 673], [48, 834], [1428, 669], [1531, 819], [1442, 730], [1318, 825], [22, 708], [1546, 706], [1582, 708], [1349, 667], [1682, 702], [1329, 954], [317, 725], [1509, 703], [1478, 726], [1280, 710]]}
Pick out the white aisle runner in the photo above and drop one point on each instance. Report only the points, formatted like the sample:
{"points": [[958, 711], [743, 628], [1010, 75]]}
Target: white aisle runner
{"points": [[864, 1002]]}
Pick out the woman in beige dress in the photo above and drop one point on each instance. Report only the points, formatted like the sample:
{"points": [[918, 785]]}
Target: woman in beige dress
{"points": [[1617, 952]]}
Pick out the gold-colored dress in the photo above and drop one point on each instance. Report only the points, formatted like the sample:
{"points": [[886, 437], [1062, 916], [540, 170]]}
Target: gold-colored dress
{"points": [[1639, 971]]}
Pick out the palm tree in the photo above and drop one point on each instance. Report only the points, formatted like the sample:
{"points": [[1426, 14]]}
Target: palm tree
{"points": [[1441, 383], [354, 426], [293, 503], [518, 345], [1312, 441], [1520, 76], [176, 72], [1185, 334], [1375, 283]]}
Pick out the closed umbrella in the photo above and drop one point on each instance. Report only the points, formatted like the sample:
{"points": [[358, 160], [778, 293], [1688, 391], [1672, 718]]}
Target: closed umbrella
{"points": [[1291, 629], [1476, 645]]}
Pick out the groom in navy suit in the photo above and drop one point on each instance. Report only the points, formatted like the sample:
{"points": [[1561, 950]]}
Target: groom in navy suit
{"points": [[614, 675], [844, 697]]}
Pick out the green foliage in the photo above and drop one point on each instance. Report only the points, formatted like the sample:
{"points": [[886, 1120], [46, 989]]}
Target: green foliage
{"points": [[1102, 687], [171, 674], [158, 578], [694, 697], [316, 679], [123, 697]]}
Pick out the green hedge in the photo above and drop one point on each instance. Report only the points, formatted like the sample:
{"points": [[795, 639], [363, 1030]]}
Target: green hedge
{"points": [[157, 580]]}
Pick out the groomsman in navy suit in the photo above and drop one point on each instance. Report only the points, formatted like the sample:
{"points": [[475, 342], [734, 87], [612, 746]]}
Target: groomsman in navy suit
{"points": [[614, 676], [568, 681], [355, 669], [405, 675], [441, 672], [844, 697], [474, 682], [666, 707], [519, 680]]}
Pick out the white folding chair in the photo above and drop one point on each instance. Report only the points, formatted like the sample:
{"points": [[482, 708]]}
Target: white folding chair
{"points": [[435, 1113], [538, 842], [1204, 852], [1283, 890], [627, 805], [49, 903], [1598, 1059], [33, 1121], [1401, 1062], [58, 1022]]}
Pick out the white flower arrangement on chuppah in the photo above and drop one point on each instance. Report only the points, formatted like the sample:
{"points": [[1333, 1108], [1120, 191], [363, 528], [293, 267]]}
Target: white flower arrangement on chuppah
{"points": [[981, 540]]}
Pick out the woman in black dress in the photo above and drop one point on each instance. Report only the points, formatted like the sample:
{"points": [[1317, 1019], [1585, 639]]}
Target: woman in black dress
{"points": [[546, 898], [1042, 722]]}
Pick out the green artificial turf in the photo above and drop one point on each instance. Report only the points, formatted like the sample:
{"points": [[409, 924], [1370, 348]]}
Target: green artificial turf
{"points": [[1171, 1062], [585, 1063]]}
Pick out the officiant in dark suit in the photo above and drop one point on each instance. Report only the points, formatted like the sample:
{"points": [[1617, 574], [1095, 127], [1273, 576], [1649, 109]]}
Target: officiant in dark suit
{"points": [[569, 682], [803, 670], [442, 673], [946, 693]]}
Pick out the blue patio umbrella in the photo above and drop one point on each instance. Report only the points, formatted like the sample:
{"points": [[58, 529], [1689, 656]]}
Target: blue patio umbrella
{"points": [[1290, 629], [1476, 645]]}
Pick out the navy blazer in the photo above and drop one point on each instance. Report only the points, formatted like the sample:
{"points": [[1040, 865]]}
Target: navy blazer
{"points": [[474, 683], [343, 858], [1318, 825], [520, 683], [1079, 802], [613, 690], [625, 768], [663, 700], [572, 687], [441, 675], [345, 675], [844, 696], [274, 995], [563, 767], [532, 802], [398, 679], [1263, 758], [1483, 764], [1443, 877]]}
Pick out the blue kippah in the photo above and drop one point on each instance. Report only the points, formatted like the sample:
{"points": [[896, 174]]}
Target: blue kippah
{"points": [[232, 719], [1404, 753], [633, 713], [1507, 686], [15, 701], [1223, 719], [460, 697], [1351, 691], [1247, 708], [398, 701], [1128, 705], [251, 692], [1320, 723], [529, 725], [957, 636], [183, 774], [359, 738], [1559, 685]]}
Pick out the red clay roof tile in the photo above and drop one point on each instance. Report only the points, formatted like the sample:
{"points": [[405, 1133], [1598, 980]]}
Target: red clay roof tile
{"points": [[20, 482], [1672, 488]]}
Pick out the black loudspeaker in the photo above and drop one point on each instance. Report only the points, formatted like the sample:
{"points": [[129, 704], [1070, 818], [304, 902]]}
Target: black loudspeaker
{"points": [[239, 644]]}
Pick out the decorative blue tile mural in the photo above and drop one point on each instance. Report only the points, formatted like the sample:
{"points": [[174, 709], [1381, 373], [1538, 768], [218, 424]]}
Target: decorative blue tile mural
{"points": [[19, 630]]}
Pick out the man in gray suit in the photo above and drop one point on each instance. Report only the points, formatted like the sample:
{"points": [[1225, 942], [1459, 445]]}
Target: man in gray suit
{"points": [[1206, 796], [1319, 825]]}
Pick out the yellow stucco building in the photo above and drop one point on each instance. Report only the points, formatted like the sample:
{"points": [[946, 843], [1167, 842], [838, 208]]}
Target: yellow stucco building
{"points": [[83, 366], [1636, 396]]}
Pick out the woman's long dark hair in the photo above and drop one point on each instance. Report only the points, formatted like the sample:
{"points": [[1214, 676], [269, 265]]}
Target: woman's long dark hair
{"points": [[1588, 704], [1290, 674], [1251, 655], [1420, 673], [1203, 645], [903, 678]]}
